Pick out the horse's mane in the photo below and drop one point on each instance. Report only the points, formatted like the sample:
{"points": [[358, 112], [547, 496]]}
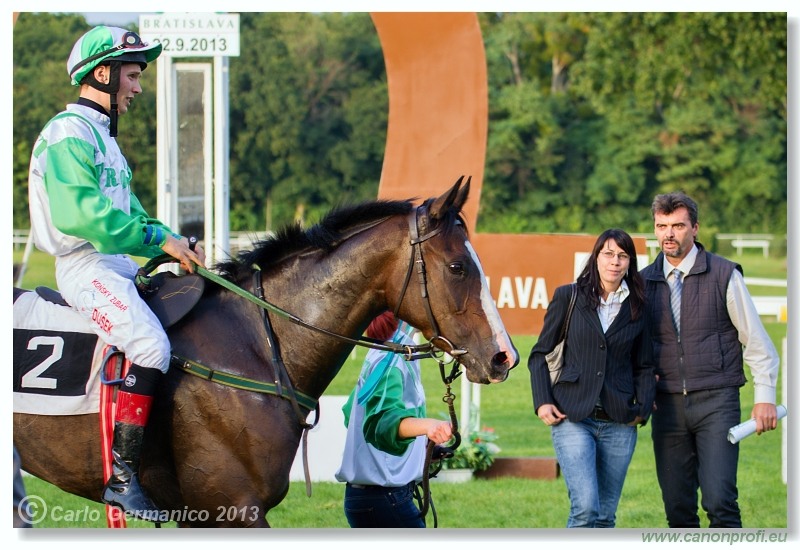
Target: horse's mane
{"points": [[325, 235]]}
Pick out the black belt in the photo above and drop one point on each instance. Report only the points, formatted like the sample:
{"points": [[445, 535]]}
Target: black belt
{"points": [[599, 413], [362, 487]]}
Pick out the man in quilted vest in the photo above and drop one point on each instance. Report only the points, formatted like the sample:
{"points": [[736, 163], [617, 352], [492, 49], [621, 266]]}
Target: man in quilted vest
{"points": [[703, 332]]}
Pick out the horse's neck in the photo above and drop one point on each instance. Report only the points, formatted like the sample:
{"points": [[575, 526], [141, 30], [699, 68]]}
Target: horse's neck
{"points": [[339, 293]]}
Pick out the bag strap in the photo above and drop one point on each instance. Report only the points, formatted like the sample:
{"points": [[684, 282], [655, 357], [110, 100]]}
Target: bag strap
{"points": [[565, 326]]}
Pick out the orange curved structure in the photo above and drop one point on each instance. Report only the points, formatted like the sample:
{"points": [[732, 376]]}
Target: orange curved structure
{"points": [[438, 104], [438, 127]]}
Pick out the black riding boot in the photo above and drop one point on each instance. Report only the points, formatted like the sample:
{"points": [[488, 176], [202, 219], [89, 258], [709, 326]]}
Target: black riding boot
{"points": [[122, 488]]}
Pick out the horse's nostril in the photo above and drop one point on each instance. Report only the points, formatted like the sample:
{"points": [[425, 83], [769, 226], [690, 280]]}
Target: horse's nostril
{"points": [[500, 359], [505, 360]]}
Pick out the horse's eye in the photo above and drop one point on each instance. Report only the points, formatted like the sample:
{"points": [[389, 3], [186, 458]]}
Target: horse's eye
{"points": [[456, 268]]}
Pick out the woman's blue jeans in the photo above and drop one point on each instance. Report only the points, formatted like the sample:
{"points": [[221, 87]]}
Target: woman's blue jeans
{"points": [[594, 456], [375, 506]]}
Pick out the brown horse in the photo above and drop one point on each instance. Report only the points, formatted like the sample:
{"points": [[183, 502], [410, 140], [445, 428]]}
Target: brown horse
{"points": [[225, 452]]}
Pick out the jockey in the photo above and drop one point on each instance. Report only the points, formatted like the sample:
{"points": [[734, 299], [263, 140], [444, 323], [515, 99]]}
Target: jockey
{"points": [[84, 212]]}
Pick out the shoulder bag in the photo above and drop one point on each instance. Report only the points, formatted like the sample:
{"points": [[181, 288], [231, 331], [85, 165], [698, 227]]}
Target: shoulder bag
{"points": [[555, 359]]}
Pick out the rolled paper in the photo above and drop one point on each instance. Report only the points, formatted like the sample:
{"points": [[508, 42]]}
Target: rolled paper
{"points": [[740, 431]]}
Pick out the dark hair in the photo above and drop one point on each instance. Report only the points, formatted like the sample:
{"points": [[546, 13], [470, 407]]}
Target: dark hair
{"points": [[589, 279], [670, 202]]}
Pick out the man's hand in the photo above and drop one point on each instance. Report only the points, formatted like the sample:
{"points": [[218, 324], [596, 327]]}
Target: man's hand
{"points": [[636, 421], [766, 416], [179, 249]]}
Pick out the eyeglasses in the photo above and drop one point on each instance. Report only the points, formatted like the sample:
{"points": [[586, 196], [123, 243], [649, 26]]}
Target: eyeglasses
{"points": [[609, 255]]}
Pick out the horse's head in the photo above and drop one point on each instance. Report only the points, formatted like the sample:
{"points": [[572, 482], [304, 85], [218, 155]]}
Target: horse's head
{"points": [[356, 262], [445, 294]]}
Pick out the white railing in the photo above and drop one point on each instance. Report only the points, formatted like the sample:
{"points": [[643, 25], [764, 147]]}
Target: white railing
{"points": [[740, 241], [653, 247], [20, 238], [770, 305]]}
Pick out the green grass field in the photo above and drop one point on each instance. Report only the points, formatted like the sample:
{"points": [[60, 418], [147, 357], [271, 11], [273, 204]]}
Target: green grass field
{"points": [[501, 503]]}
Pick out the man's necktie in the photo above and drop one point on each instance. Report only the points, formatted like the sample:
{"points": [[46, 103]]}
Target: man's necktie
{"points": [[675, 299]]}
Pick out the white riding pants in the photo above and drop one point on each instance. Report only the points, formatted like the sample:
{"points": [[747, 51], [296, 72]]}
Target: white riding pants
{"points": [[100, 287]]}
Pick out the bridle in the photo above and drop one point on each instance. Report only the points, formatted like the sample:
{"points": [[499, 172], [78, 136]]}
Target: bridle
{"points": [[418, 222]]}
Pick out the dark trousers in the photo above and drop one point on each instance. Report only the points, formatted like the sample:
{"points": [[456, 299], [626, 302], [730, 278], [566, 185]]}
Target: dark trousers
{"points": [[375, 506], [692, 452]]}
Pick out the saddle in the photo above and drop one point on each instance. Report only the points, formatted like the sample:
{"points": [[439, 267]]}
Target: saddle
{"points": [[169, 296]]}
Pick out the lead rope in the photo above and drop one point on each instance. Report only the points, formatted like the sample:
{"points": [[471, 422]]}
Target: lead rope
{"points": [[437, 453]]}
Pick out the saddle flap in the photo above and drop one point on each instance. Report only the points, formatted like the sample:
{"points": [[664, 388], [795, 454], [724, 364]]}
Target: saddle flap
{"points": [[51, 295], [172, 296]]}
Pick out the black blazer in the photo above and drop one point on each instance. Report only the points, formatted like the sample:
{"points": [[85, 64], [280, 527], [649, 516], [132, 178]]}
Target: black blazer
{"points": [[616, 367]]}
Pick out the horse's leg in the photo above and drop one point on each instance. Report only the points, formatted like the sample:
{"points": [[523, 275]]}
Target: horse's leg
{"points": [[233, 452]]}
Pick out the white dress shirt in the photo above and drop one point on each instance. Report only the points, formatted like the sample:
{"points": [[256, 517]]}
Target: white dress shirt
{"points": [[610, 306]]}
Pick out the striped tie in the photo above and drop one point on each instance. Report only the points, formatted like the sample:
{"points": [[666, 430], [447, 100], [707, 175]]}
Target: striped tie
{"points": [[675, 299]]}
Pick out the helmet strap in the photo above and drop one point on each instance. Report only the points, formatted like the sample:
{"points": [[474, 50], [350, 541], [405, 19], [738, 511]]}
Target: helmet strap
{"points": [[111, 89], [112, 129]]}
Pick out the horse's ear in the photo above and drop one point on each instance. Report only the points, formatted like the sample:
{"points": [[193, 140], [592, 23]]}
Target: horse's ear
{"points": [[463, 193], [453, 198]]}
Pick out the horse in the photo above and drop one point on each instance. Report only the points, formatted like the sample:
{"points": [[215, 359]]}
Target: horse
{"points": [[213, 448]]}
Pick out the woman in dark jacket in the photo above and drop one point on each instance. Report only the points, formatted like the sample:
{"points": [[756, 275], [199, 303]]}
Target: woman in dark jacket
{"points": [[607, 385]]}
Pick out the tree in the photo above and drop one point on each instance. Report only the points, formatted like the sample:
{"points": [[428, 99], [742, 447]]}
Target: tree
{"points": [[688, 99], [309, 120], [590, 115]]}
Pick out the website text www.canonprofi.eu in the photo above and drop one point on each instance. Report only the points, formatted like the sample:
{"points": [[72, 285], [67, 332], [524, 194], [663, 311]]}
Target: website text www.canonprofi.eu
{"points": [[729, 537]]}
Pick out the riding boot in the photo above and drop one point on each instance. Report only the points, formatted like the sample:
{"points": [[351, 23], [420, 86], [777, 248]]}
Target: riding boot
{"points": [[123, 488]]}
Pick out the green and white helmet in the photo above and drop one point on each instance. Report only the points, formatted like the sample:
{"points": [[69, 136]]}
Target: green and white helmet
{"points": [[111, 46], [104, 44]]}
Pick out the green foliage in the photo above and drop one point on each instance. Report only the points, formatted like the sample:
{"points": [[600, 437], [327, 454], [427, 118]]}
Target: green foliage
{"points": [[476, 453], [308, 115], [590, 115]]}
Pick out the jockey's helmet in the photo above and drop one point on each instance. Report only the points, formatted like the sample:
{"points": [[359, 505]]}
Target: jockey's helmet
{"points": [[106, 44]]}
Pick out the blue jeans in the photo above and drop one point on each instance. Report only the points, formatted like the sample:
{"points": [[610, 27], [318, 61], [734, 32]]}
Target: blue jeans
{"points": [[691, 448], [594, 456], [375, 506]]}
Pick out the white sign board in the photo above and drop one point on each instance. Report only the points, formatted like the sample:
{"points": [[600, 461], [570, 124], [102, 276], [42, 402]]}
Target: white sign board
{"points": [[192, 34]]}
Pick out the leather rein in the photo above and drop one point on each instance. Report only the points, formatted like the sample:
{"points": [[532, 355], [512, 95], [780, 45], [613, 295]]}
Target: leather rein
{"points": [[283, 387]]}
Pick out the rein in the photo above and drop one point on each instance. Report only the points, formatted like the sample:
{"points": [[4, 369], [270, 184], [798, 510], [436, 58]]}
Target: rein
{"points": [[283, 387], [409, 352]]}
